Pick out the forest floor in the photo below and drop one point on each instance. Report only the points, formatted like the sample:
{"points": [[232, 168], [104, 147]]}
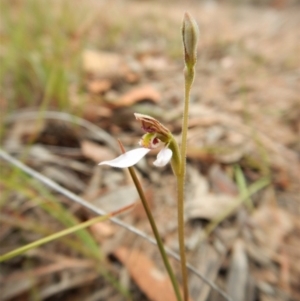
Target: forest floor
{"points": [[102, 62]]}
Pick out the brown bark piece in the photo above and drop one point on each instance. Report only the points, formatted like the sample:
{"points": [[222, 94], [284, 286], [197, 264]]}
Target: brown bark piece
{"points": [[136, 95], [99, 86]]}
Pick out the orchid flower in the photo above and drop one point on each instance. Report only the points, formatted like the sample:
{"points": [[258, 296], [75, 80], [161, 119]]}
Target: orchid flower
{"points": [[156, 135]]}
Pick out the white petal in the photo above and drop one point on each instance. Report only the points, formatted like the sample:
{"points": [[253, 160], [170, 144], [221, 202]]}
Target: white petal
{"points": [[128, 159], [163, 157]]}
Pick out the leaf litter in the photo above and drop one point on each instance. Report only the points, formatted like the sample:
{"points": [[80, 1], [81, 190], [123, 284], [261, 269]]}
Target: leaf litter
{"points": [[243, 111]]}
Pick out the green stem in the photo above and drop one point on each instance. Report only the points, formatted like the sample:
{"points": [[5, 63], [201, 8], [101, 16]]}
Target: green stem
{"points": [[180, 216], [156, 234], [189, 78]]}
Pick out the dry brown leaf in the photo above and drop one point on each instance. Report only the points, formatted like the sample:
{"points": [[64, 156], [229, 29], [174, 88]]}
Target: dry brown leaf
{"points": [[272, 224], [102, 230], [154, 63], [96, 152], [108, 65], [209, 206], [136, 95], [146, 275], [265, 275], [99, 85], [221, 182], [207, 259], [198, 153], [101, 63], [117, 197], [200, 202], [238, 272], [93, 112], [3, 106], [139, 212]]}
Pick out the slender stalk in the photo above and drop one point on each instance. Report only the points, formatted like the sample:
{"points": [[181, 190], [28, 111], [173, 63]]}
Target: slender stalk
{"points": [[154, 229], [180, 216], [189, 77], [190, 34]]}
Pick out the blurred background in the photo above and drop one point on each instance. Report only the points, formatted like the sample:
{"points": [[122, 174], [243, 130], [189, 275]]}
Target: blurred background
{"points": [[72, 74]]}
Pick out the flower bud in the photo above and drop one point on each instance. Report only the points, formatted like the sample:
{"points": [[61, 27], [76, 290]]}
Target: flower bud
{"points": [[190, 34]]}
